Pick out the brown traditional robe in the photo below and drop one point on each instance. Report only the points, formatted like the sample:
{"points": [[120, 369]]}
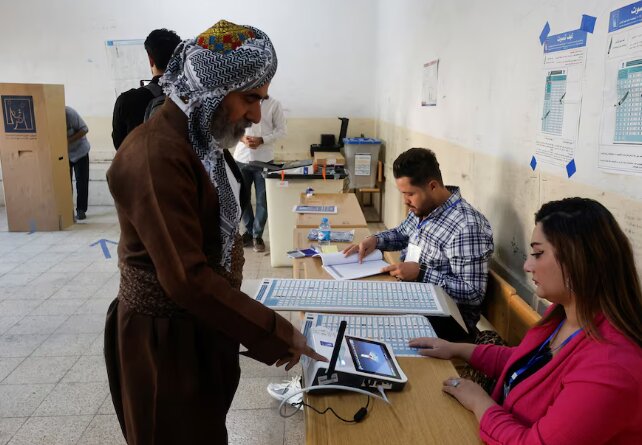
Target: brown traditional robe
{"points": [[172, 336]]}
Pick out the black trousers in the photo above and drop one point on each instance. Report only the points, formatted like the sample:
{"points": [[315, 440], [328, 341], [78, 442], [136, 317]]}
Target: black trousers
{"points": [[80, 169]]}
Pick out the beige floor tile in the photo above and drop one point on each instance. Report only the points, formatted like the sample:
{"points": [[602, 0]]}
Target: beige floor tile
{"points": [[41, 370], [21, 400], [20, 345], [7, 365], [103, 430], [37, 324], [252, 394], [51, 430], [65, 344], [82, 324], [89, 368], [73, 399], [8, 427], [256, 427]]}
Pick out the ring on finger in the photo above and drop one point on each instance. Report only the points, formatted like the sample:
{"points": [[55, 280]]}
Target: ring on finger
{"points": [[455, 383]]}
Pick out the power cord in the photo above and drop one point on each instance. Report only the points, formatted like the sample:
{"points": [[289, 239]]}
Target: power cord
{"points": [[358, 416]]}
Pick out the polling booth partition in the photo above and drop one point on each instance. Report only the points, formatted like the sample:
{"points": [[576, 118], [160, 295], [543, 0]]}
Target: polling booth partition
{"points": [[33, 154]]}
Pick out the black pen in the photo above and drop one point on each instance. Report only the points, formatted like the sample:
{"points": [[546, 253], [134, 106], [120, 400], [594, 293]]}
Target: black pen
{"points": [[623, 99]]}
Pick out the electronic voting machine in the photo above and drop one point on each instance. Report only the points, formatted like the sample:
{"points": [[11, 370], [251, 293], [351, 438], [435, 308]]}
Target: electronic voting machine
{"points": [[354, 361]]}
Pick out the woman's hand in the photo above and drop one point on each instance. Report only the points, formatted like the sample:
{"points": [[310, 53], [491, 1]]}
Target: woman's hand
{"points": [[469, 394], [438, 348]]}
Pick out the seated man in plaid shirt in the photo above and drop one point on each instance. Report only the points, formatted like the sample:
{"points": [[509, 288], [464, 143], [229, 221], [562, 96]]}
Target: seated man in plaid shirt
{"points": [[444, 240]]}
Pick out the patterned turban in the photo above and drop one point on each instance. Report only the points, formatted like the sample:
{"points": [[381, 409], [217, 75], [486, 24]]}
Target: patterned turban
{"points": [[202, 71]]}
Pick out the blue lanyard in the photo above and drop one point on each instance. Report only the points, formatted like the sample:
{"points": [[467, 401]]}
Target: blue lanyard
{"points": [[537, 357], [425, 220]]}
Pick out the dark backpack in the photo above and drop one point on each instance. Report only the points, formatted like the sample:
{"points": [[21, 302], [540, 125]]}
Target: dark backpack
{"points": [[156, 102]]}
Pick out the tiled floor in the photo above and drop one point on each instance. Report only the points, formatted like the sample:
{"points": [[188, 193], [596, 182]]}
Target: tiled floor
{"points": [[54, 292]]}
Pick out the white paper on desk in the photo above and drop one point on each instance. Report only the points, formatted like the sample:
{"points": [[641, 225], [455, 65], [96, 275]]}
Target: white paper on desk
{"points": [[300, 208], [349, 268]]}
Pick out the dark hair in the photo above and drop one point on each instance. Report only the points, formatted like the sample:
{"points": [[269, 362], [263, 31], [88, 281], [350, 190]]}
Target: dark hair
{"points": [[418, 164], [597, 264], [160, 45]]}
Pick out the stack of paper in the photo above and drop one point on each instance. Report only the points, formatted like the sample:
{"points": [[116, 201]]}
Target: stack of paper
{"points": [[349, 268]]}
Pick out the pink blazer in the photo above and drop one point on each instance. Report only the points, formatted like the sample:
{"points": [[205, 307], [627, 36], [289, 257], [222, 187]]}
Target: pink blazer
{"points": [[589, 393]]}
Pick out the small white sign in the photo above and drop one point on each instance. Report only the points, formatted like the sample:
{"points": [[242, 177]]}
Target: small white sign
{"points": [[282, 184], [362, 164]]}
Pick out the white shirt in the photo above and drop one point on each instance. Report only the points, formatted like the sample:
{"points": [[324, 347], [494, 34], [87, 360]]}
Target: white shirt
{"points": [[234, 185], [271, 128]]}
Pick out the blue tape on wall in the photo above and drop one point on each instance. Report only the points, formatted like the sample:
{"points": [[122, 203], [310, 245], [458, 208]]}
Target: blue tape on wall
{"points": [[570, 168], [544, 34], [533, 163], [588, 23]]}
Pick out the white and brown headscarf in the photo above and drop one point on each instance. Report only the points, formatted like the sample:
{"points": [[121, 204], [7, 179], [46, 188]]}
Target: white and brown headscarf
{"points": [[202, 71]]}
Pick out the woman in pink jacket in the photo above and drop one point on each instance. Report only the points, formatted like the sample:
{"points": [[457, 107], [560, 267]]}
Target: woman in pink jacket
{"points": [[576, 377]]}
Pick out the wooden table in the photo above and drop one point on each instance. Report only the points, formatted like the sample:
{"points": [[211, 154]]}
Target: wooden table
{"points": [[349, 214], [420, 414]]}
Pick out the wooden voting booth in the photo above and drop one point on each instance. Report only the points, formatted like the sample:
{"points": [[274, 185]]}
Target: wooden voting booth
{"points": [[33, 155]]}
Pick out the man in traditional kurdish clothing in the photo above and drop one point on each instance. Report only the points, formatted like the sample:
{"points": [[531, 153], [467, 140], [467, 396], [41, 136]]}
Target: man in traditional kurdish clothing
{"points": [[172, 336]]}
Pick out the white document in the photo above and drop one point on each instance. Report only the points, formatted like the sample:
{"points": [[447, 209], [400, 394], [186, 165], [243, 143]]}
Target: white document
{"points": [[620, 147], [362, 164], [300, 208], [430, 82], [560, 105], [349, 268]]}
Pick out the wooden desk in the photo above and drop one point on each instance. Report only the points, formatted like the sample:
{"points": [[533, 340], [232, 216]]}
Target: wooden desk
{"points": [[349, 214], [420, 414]]}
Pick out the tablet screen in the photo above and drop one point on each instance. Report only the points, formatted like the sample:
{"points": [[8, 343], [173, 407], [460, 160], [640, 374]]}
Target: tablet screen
{"points": [[371, 357]]}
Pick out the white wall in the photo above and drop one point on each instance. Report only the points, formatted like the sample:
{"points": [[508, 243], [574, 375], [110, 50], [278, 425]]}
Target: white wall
{"points": [[325, 48], [484, 126], [490, 75]]}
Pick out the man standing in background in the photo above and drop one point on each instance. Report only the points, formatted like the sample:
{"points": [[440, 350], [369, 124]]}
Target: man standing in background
{"points": [[129, 110], [258, 145], [78, 152]]}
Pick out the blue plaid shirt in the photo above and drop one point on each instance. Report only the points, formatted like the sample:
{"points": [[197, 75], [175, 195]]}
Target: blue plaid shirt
{"points": [[456, 242]]}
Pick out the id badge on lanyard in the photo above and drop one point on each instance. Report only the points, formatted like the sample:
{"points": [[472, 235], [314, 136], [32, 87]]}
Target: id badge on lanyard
{"points": [[413, 253]]}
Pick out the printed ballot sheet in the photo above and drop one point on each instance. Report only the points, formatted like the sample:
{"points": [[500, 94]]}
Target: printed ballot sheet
{"points": [[342, 267], [396, 330], [620, 147], [362, 297]]}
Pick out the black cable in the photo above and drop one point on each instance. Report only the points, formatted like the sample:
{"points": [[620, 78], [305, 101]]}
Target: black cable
{"points": [[358, 416]]}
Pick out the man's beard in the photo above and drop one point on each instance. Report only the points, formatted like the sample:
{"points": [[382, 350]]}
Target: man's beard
{"points": [[227, 134]]}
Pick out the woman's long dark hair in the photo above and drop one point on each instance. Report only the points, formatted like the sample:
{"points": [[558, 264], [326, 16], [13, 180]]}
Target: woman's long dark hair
{"points": [[597, 265]]}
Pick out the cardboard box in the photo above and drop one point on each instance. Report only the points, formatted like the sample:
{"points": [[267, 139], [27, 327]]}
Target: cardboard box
{"points": [[329, 158]]}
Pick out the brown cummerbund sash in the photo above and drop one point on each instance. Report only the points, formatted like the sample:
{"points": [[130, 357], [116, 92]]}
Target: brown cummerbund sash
{"points": [[141, 291]]}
